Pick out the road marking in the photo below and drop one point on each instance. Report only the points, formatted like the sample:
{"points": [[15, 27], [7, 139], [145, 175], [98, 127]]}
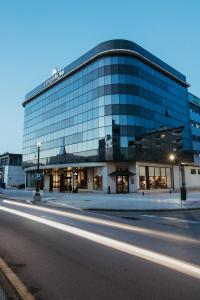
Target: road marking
{"points": [[93, 220], [66, 205], [160, 259], [15, 282], [172, 219]]}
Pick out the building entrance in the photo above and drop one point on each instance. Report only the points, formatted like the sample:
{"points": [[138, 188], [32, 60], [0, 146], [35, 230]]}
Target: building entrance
{"points": [[122, 184], [65, 179], [65, 183]]}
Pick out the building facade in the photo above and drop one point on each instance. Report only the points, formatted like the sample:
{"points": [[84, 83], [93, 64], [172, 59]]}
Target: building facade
{"points": [[11, 172], [194, 107], [94, 116], [192, 171]]}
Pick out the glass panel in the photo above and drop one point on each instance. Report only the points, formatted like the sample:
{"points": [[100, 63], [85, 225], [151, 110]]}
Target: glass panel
{"points": [[125, 184], [163, 172], [151, 171], [157, 171], [142, 171], [151, 182], [119, 184], [142, 182], [169, 181], [122, 184], [98, 182]]}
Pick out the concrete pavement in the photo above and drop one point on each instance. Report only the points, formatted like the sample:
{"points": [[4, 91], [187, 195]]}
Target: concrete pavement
{"points": [[99, 201]]}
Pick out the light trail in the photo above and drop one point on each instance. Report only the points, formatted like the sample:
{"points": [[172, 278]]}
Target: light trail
{"points": [[160, 259], [93, 220]]}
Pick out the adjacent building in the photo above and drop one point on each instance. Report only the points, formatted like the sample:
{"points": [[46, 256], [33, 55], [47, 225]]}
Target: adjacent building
{"points": [[109, 122], [192, 171], [11, 172]]}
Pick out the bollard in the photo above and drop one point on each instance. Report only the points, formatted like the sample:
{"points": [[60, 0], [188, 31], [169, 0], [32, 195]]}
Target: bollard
{"points": [[75, 189], [108, 189], [142, 193], [170, 192], [183, 193]]}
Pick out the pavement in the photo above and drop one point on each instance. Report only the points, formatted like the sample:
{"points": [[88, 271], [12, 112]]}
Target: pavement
{"points": [[150, 201], [81, 255]]}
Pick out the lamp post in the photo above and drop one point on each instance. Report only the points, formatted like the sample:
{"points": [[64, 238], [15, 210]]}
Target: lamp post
{"points": [[37, 196], [172, 159]]}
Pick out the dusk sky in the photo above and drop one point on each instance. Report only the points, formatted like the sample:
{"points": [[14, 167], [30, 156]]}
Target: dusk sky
{"points": [[37, 36]]}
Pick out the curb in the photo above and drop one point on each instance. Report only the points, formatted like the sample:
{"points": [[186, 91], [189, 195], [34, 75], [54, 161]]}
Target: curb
{"points": [[142, 210], [109, 209], [15, 282]]}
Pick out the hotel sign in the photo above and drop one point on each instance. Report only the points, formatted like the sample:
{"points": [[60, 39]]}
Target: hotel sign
{"points": [[56, 75]]}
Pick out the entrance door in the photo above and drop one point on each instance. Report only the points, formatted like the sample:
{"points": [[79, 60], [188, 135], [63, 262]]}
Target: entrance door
{"points": [[65, 184], [122, 184]]}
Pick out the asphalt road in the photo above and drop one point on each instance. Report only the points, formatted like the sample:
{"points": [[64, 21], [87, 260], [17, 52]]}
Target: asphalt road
{"points": [[79, 255]]}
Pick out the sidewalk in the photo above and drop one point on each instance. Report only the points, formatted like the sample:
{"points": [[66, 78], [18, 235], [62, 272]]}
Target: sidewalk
{"points": [[98, 201]]}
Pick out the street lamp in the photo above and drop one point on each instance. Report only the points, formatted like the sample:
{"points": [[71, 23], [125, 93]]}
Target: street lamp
{"points": [[172, 159], [37, 196]]}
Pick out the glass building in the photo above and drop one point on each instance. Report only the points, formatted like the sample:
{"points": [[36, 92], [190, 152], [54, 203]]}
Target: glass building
{"points": [[194, 107], [92, 115]]}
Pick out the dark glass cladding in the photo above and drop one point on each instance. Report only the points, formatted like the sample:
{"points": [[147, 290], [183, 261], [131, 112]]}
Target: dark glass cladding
{"points": [[113, 45], [98, 113], [194, 105]]}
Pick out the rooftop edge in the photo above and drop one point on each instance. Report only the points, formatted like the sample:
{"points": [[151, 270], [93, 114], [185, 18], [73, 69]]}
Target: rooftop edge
{"points": [[110, 47]]}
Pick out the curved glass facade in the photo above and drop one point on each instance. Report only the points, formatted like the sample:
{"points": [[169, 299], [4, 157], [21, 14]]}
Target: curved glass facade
{"points": [[97, 113]]}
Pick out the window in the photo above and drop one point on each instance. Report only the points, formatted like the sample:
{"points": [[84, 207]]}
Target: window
{"points": [[199, 171], [193, 171]]}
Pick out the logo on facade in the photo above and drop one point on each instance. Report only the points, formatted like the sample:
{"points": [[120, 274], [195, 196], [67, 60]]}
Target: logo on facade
{"points": [[55, 76]]}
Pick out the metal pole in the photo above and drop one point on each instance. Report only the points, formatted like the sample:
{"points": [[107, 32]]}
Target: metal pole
{"points": [[180, 181], [173, 177], [37, 197], [38, 169], [72, 180]]}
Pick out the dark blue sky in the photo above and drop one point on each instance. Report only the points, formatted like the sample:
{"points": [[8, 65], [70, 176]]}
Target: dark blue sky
{"points": [[36, 36]]}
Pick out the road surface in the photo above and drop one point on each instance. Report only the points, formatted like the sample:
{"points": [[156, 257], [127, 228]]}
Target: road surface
{"points": [[76, 255]]}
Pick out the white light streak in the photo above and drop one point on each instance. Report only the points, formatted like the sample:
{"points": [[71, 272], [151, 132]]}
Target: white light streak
{"points": [[93, 220], [163, 260]]}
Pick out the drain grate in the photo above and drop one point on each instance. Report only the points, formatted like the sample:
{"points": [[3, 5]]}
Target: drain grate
{"points": [[2, 295]]}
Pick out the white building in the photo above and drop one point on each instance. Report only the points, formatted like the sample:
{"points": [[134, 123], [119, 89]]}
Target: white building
{"points": [[11, 171]]}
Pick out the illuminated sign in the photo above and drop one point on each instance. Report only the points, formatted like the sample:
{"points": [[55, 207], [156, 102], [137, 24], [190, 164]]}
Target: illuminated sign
{"points": [[55, 76]]}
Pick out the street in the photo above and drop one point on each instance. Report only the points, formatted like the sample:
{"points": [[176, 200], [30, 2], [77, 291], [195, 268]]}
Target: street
{"points": [[72, 255]]}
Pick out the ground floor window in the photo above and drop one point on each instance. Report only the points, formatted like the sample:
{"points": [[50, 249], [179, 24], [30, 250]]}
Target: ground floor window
{"points": [[98, 182], [70, 178], [56, 179], [31, 182], [154, 177], [82, 178]]}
